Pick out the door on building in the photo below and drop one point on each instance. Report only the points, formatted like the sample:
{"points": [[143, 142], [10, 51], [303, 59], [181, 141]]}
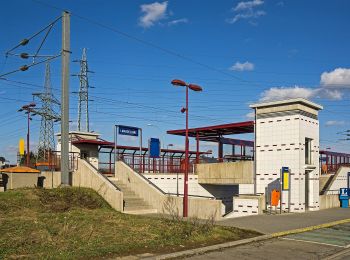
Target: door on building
{"points": [[348, 180], [307, 190]]}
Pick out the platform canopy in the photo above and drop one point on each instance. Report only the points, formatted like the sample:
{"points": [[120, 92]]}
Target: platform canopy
{"points": [[126, 149], [213, 133]]}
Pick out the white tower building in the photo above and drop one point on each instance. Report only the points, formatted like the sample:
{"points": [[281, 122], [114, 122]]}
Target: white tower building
{"points": [[287, 135]]}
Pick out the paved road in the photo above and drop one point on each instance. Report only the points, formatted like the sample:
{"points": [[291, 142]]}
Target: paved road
{"points": [[327, 243], [269, 224]]}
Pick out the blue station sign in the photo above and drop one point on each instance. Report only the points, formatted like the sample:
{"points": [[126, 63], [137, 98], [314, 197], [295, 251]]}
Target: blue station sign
{"points": [[128, 130]]}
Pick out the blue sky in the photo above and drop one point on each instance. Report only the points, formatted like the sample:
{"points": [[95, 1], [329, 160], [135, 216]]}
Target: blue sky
{"points": [[240, 52]]}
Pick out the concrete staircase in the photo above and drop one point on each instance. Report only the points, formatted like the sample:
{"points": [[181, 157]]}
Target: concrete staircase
{"points": [[133, 204]]}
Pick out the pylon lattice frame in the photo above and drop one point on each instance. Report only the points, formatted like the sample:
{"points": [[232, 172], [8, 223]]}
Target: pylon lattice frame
{"points": [[83, 104], [48, 116]]}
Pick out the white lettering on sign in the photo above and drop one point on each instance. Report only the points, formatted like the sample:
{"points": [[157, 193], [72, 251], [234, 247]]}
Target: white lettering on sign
{"points": [[128, 131]]}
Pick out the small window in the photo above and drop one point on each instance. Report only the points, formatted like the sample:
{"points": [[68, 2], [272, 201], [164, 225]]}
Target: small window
{"points": [[308, 145]]}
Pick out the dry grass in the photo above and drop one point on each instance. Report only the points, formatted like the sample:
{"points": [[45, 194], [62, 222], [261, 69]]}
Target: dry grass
{"points": [[76, 223]]}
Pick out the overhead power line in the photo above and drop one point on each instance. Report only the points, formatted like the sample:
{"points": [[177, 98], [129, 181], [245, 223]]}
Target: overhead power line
{"points": [[144, 42], [24, 55]]}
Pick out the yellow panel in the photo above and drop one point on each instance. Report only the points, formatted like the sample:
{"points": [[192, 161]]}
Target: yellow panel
{"points": [[286, 181], [21, 146]]}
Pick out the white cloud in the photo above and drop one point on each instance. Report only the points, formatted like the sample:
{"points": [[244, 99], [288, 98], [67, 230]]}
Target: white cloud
{"points": [[247, 10], [248, 15], [178, 21], [338, 78], [280, 93], [250, 115], [248, 5], [335, 123], [330, 94], [152, 13], [245, 66]]}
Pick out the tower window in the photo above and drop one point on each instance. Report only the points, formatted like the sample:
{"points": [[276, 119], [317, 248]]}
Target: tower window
{"points": [[308, 145]]}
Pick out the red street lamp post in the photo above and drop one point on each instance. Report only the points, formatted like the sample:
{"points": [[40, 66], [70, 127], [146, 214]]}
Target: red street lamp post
{"points": [[28, 109], [177, 82]]}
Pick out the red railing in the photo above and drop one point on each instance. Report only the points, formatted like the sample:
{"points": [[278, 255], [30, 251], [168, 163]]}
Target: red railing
{"points": [[54, 162], [155, 165]]}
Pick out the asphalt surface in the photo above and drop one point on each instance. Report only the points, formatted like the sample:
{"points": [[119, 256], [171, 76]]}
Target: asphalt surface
{"points": [[268, 224], [326, 243]]}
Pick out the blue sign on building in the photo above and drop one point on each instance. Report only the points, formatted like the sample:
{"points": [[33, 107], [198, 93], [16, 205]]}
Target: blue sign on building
{"points": [[154, 148], [344, 197], [128, 130]]}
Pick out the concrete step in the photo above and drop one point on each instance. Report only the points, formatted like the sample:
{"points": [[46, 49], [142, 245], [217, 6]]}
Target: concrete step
{"points": [[140, 211], [135, 200], [133, 203], [137, 207], [139, 203]]}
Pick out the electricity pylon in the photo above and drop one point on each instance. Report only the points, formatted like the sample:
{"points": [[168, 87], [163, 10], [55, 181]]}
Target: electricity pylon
{"points": [[83, 104], [48, 116]]}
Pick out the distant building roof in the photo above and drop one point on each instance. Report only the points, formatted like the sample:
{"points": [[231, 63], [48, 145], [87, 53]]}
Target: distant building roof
{"points": [[80, 133]]}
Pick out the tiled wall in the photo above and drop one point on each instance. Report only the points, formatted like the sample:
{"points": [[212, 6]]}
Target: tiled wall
{"points": [[245, 207], [280, 142]]}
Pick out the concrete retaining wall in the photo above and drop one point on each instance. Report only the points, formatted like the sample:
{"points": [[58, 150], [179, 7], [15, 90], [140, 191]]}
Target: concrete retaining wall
{"points": [[329, 201], [52, 179], [20, 180], [87, 176], [197, 207], [225, 173]]}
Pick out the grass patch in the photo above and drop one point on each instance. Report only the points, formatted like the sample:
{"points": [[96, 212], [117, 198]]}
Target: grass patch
{"points": [[71, 223]]}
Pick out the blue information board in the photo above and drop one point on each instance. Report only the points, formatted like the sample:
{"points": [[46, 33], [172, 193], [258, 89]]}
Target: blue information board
{"points": [[128, 130], [154, 148], [344, 197], [345, 193]]}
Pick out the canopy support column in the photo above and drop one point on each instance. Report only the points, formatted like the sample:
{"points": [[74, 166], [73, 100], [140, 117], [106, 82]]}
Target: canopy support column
{"points": [[197, 148], [220, 151]]}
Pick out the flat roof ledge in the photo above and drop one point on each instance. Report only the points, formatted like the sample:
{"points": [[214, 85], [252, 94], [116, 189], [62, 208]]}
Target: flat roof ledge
{"points": [[302, 101]]}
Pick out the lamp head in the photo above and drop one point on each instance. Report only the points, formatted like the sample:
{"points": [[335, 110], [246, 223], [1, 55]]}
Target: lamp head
{"points": [[195, 87], [178, 82]]}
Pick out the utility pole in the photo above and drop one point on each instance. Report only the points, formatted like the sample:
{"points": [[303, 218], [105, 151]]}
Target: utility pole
{"points": [[65, 99], [29, 109], [83, 107]]}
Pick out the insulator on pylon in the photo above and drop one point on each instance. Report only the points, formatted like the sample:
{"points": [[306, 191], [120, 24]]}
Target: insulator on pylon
{"points": [[24, 68], [24, 42], [24, 55]]}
